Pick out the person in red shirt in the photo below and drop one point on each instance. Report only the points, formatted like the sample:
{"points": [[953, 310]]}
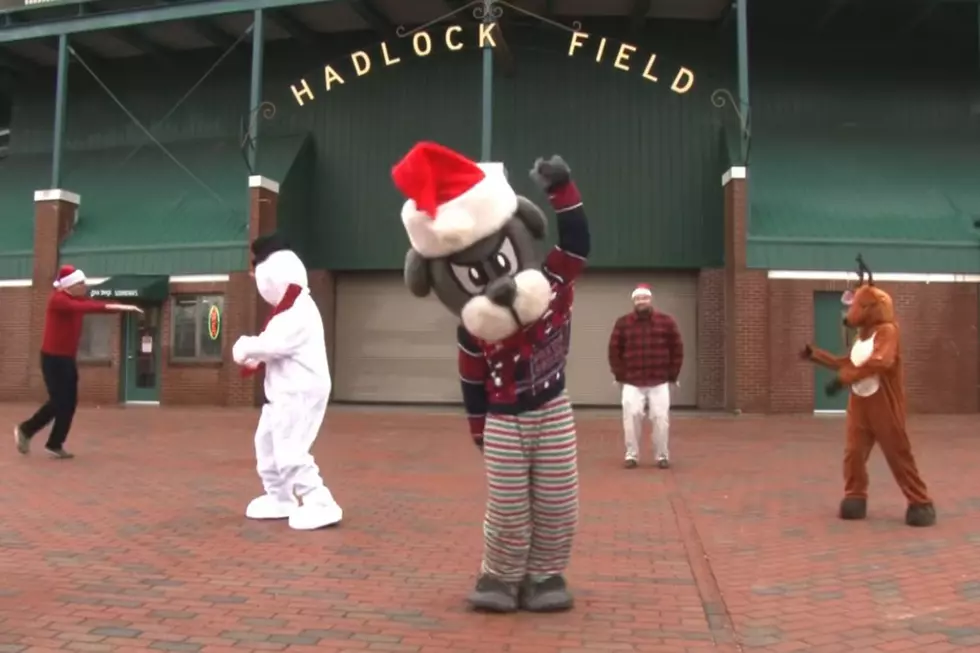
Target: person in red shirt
{"points": [[645, 355], [59, 346]]}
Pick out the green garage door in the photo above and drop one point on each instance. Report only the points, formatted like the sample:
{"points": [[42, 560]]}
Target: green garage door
{"points": [[830, 334]]}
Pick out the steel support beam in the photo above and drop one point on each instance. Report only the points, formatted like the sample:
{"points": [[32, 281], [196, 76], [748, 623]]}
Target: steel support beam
{"points": [[638, 15], [742, 32], [255, 89], [186, 10], [920, 17], [60, 106], [486, 99], [373, 16], [835, 8]]}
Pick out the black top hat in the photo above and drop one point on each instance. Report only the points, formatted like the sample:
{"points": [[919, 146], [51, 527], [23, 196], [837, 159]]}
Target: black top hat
{"points": [[264, 246]]}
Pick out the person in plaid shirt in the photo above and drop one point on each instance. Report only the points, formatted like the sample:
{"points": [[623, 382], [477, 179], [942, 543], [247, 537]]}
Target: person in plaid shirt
{"points": [[645, 355]]}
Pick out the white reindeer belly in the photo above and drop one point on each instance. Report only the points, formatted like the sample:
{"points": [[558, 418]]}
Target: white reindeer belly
{"points": [[860, 353]]}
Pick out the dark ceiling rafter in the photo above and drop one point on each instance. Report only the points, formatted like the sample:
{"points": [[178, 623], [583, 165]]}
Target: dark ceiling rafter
{"points": [[51, 47], [638, 15], [133, 37], [311, 40], [921, 16], [834, 8], [16, 64], [727, 16], [208, 31], [374, 17]]}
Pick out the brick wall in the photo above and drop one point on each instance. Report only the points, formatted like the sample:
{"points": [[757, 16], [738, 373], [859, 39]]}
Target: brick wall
{"points": [[711, 339], [16, 348], [939, 344]]}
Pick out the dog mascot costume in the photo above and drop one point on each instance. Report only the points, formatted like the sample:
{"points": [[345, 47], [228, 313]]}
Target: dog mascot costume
{"points": [[473, 244], [876, 407], [291, 347]]}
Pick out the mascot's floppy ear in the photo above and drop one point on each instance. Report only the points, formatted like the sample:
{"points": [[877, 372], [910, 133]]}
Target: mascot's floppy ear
{"points": [[417, 274], [532, 217]]}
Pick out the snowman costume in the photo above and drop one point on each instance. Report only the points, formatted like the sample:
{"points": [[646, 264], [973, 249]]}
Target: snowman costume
{"points": [[297, 385]]}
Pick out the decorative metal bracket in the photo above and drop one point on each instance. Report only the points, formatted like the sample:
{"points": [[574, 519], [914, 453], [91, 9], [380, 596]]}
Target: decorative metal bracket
{"points": [[487, 11], [267, 110], [721, 98]]}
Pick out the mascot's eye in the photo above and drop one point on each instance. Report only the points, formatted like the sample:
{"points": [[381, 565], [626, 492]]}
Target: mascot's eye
{"points": [[501, 265], [477, 276], [505, 260], [472, 279]]}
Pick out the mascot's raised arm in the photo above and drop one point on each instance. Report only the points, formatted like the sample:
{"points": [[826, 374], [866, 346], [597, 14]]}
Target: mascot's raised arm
{"points": [[876, 407], [473, 243]]}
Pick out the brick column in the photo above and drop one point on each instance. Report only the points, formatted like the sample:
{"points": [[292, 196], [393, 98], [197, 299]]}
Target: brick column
{"points": [[746, 307], [245, 312], [55, 212]]}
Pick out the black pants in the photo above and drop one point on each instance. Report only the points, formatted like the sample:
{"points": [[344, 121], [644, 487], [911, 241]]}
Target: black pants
{"points": [[61, 379]]}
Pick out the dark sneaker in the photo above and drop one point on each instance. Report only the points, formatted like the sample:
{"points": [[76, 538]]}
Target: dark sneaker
{"points": [[853, 508], [23, 442], [630, 463], [548, 595], [663, 463], [923, 514], [493, 595], [58, 453]]}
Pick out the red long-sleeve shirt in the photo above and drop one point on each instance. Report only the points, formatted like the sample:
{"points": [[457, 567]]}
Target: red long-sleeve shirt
{"points": [[63, 322]]}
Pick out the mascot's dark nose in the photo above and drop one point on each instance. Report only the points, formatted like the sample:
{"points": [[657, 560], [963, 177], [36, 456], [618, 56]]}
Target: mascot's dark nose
{"points": [[502, 292]]}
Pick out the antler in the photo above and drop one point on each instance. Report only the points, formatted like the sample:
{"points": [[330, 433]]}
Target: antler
{"points": [[862, 269]]}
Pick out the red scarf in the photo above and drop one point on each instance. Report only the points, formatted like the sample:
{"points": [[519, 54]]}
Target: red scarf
{"points": [[292, 292]]}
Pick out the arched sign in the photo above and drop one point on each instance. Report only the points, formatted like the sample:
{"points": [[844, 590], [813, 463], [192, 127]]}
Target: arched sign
{"points": [[214, 322], [425, 40]]}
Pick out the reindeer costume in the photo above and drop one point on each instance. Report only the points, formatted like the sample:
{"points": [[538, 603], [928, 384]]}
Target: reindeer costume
{"points": [[876, 407], [473, 243]]}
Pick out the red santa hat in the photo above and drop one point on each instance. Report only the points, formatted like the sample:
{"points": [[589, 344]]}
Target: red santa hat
{"points": [[452, 201], [641, 290], [68, 276]]}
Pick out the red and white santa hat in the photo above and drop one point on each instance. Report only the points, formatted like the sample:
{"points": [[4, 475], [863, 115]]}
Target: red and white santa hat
{"points": [[68, 276], [641, 290], [452, 201]]}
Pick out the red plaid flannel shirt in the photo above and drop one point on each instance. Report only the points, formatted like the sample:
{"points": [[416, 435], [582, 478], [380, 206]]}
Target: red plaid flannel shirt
{"points": [[646, 350]]}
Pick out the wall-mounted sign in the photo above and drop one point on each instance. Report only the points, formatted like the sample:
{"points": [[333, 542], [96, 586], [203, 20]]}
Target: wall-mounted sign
{"points": [[117, 293], [625, 58], [423, 45], [683, 79], [214, 322]]}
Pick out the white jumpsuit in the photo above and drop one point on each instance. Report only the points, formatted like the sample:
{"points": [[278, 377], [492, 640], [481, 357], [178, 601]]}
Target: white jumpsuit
{"points": [[297, 388]]}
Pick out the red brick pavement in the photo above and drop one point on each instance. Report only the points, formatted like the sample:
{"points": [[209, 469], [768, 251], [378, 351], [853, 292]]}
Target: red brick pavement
{"points": [[140, 543]]}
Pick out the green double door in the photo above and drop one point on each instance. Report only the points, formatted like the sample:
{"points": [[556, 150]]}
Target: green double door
{"points": [[829, 333], [140, 382]]}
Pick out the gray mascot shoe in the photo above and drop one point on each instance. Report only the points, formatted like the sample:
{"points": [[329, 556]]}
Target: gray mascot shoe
{"points": [[493, 595], [548, 595]]}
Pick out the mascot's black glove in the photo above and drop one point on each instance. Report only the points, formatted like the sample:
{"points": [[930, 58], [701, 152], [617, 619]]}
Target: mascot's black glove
{"points": [[833, 388], [806, 353], [478, 441], [551, 173]]}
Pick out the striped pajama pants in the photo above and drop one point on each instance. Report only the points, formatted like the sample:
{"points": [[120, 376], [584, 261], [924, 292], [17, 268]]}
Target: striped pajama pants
{"points": [[532, 498]]}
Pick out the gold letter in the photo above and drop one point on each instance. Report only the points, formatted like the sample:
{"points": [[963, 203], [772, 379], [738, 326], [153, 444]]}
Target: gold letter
{"points": [[647, 72], [486, 35], [331, 76], [428, 43], [298, 94], [450, 43], [602, 50], [578, 39], [362, 62], [388, 60], [623, 56], [676, 86]]}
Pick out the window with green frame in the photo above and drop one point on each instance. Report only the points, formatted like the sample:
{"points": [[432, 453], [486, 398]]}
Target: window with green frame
{"points": [[195, 327]]}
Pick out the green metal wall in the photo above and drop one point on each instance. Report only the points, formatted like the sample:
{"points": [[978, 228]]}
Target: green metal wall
{"points": [[865, 149], [648, 160]]}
